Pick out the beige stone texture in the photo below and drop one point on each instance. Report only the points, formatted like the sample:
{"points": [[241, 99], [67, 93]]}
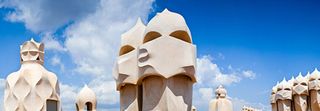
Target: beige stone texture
{"points": [[314, 90], [303, 96], [155, 69], [86, 100], [32, 87], [300, 93], [284, 96], [167, 48], [166, 61], [126, 71], [273, 98], [221, 103]]}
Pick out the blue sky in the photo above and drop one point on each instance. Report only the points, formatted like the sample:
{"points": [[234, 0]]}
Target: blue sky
{"points": [[254, 42]]}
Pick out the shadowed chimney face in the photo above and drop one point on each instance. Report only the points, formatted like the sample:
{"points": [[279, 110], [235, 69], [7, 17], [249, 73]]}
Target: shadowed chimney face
{"points": [[126, 69], [273, 94], [300, 86]]}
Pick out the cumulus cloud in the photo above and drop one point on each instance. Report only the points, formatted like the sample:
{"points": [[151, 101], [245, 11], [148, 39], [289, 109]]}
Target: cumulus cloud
{"points": [[47, 15], [249, 74], [93, 41], [105, 90], [209, 76], [206, 93], [56, 61], [68, 96], [51, 43], [91, 32]]}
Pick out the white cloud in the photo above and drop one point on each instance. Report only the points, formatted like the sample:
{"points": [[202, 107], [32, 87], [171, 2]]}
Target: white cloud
{"points": [[209, 73], [92, 37], [47, 15], [226, 79], [56, 61], [206, 93], [93, 41], [105, 90], [209, 76], [249, 74], [68, 96], [51, 43]]}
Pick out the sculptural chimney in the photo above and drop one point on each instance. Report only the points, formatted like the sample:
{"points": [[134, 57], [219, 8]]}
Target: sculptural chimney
{"points": [[86, 100], [166, 62], [126, 71], [220, 103], [155, 69], [314, 87], [300, 93], [273, 98], [284, 96], [32, 87]]}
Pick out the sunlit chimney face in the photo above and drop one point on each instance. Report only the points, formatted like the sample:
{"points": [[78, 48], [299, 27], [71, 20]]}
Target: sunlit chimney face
{"points": [[31, 51], [32, 87], [167, 40], [300, 86], [86, 100], [314, 87], [284, 91], [314, 80]]}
